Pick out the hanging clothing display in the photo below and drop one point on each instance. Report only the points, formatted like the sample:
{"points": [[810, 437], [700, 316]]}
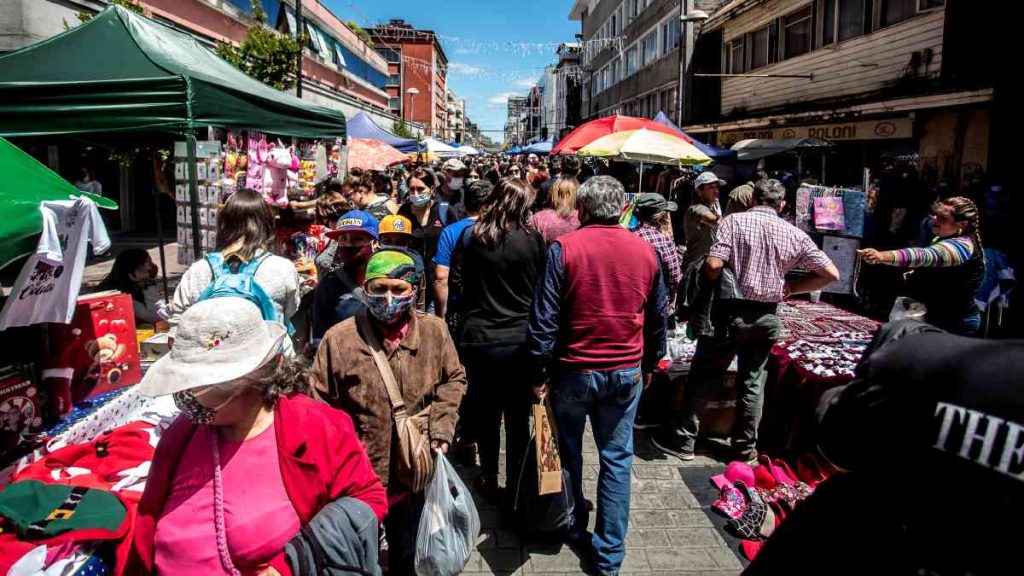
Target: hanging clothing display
{"points": [[47, 287]]}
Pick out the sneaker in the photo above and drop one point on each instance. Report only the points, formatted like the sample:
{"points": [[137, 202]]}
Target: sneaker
{"points": [[672, 447]]}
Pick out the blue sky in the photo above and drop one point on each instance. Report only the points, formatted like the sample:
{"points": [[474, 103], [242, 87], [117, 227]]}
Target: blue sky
{"points": [[492, 45]]}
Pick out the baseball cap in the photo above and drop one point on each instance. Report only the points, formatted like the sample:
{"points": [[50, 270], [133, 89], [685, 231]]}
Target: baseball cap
{"points": [[453, 164], [354, 221], [652, 203], [395, 224], [707, 178]]}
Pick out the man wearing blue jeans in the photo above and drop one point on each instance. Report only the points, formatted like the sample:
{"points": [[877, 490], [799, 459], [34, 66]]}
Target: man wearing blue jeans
{"points": [[597, 331]]}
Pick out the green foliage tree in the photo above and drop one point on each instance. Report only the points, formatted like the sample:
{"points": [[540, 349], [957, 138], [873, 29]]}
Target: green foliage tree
{"points": [[132, 5], [399, 128], [358, 30], [266, 54]]}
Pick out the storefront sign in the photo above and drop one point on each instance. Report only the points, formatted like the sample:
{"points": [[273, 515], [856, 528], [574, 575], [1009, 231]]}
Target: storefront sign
{"points": [[887, 129]]}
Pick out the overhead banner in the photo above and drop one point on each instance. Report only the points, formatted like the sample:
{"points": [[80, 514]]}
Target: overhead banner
{"points": [[886, 129]]}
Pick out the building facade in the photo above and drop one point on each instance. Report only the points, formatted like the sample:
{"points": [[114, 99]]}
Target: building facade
{"points": [[339, 70], [568, 95], [417, 74], [884, 82], [516, 122], [631, 57]]}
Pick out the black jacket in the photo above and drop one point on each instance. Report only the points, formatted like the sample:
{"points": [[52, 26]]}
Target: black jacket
{"points": [[340, 541], [698, 297]]}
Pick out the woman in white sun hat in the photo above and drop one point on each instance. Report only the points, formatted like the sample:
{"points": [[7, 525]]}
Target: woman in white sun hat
{"points": [[250, 460]]}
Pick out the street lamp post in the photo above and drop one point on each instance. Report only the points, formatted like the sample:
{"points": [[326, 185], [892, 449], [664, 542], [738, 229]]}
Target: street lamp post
{"points": [[685, 52], [412, 92]]}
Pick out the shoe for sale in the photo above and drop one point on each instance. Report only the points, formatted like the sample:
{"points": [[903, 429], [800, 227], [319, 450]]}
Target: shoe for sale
{"points": [[672, 447]]}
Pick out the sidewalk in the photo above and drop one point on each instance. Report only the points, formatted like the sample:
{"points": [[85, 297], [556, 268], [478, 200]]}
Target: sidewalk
{"points": [[668, 531]]}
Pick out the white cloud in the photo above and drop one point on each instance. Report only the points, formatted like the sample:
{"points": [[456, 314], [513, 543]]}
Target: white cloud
{"points": [[464, 69], [501, 98], [525, 82], [462, 51]]}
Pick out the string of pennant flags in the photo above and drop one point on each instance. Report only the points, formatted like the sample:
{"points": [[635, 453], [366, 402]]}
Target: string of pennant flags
{"points": [[524, 49]]}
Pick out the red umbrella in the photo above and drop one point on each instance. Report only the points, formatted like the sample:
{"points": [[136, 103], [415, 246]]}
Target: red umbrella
{"points": [[369, 154], [601, 127]]}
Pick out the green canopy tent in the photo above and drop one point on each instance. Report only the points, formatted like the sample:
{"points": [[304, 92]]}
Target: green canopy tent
{"points": [[122, 72], [26, 184]]}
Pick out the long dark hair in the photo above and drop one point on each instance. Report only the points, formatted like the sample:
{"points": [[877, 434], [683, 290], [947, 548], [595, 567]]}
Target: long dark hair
{"points": [[120, 274], [508, 206], [245, 225]]}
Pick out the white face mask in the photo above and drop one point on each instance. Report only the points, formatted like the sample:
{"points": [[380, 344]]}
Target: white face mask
{"points": [[455, 183]]}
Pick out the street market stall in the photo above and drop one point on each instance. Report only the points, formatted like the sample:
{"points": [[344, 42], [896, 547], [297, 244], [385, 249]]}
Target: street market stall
{"points": [[143, 82], [362, 126]]}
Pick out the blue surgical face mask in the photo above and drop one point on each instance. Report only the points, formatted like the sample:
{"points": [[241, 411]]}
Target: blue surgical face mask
{"points": [[419, 200], [389, 309]]}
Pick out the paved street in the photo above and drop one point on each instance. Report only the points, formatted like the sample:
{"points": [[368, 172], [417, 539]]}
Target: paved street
{"points": [[668, 532]]}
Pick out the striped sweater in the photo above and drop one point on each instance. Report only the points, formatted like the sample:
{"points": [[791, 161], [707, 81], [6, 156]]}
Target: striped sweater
{"points": [[942, 254]]}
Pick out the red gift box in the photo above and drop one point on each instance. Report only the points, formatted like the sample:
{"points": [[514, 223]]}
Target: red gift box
{"points": [[99, 345]]}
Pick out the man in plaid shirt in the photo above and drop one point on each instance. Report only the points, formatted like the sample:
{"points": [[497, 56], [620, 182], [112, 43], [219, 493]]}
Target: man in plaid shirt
{"points": [[761, 248]]}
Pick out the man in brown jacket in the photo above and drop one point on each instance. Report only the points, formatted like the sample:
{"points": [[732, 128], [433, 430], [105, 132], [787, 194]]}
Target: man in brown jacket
{"points": [[427, 369]]}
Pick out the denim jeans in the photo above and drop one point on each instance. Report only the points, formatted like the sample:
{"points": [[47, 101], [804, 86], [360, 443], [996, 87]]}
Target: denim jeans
{"points": [[749, 332], [610, 399]]}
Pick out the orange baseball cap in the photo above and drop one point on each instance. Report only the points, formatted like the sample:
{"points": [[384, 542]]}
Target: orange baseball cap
{"points": [[395, 225]]}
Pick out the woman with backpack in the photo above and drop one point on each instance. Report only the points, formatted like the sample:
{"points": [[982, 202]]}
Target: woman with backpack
{"points": [[241, 265], [429, 216]]}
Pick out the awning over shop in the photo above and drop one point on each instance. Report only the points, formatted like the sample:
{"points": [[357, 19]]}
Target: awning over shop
{"points": [[362, 126], [25, 184], [716, 154], [442, 150], [124, 72], [758, 148]]}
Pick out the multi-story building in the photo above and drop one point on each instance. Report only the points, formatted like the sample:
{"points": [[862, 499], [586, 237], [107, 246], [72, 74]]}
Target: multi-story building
{"points": [[568, 76], [417, 74], [890, 83], [456, 109], [547, 89], [631, 55], [516, 132], [339, 69]]}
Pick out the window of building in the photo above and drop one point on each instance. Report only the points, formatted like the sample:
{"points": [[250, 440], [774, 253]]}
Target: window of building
{"points": [[828, 22], [390, 55], [635, 7], [650, 48], [615, 25], [796, 36], [631, 61], [852, 18], [896, 11], [395, 80], [734, 56], [606, 78], [670, 36], [395, 103], [759, 48], [616, 71]]}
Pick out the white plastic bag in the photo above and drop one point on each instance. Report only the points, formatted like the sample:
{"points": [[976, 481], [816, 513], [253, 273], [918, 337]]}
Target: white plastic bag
{"points": [[907, 309], [449, 526]]}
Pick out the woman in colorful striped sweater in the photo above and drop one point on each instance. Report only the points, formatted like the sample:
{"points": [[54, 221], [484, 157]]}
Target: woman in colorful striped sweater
{"points": [[945, 275]]}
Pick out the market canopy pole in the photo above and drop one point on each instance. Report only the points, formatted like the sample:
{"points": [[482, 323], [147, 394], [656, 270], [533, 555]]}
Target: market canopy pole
{"points": [[193, 192]]}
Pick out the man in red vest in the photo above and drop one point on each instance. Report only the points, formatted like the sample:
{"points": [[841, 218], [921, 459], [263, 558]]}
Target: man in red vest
{"points": [[598, 329]]}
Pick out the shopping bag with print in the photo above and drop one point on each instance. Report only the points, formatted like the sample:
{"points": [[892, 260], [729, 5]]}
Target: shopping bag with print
{"points": [[829, 214]]}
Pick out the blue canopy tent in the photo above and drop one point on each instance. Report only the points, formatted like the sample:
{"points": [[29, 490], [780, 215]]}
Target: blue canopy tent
{"points": [[543, 147], [716, 154], [362, 126], [514, 150]]}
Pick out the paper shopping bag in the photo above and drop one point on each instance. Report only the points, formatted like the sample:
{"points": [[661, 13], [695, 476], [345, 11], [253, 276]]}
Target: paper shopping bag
{"points": [[549, 465]]}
